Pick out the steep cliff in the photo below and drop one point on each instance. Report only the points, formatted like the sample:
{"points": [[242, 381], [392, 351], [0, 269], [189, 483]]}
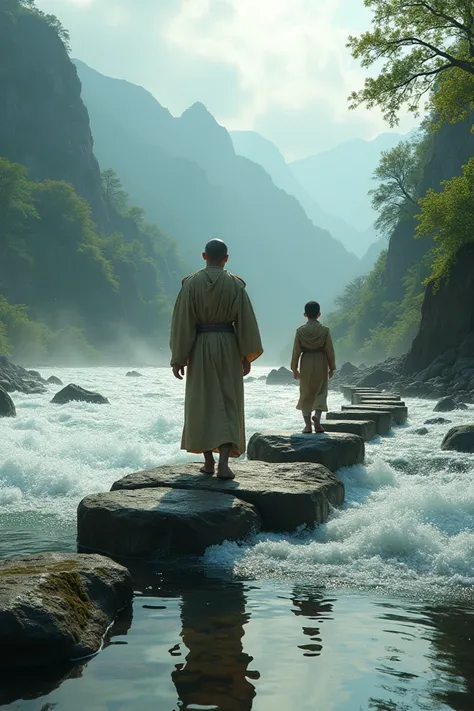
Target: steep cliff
{"points": [[447, 322], [451, 148], [44, 124]]}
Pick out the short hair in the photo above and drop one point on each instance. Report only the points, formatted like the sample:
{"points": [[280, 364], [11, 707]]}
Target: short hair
{"points": [[312, 309], [216, 250]]}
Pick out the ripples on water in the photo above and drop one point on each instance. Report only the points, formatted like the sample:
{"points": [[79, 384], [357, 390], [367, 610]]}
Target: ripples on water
{"points": [[406, 530]]}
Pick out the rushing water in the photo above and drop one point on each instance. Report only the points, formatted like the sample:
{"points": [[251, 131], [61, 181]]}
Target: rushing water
{"points": [[371, 611]]}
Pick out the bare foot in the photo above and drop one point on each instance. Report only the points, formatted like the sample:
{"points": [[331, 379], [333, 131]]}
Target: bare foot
{"points": [[308, 430], [318, 428], [209, 464], [205, 470], [225, 472]]}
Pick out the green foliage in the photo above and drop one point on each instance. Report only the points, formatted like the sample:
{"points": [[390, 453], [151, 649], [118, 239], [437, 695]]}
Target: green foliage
{"points": [[420, 43], [12, 9], [448, 216], [398, 175], [114, 195]]}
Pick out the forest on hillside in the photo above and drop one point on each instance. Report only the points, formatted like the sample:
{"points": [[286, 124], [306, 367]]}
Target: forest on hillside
{"points": [[82, 273], [424, 190]]}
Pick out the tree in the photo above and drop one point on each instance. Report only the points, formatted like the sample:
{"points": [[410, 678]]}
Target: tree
{"points": [[398, 174], [114, 194], [424, 44], [448, 216]]}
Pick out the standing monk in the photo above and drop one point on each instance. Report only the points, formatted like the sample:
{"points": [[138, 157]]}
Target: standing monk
{"points": [[215, 334]]}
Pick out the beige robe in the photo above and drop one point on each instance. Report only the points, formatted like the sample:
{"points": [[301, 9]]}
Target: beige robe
{"points": [[214, 402], [314, 366]]}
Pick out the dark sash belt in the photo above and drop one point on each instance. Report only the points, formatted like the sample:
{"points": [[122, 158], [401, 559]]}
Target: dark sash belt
{"points": [[215, 328], [314, 350]]}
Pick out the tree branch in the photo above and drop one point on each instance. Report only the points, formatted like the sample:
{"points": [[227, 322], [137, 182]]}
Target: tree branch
{"points": [[442, 15]]}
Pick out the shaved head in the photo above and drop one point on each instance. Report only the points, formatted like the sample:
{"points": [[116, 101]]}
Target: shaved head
{"points": [[216, 250]]}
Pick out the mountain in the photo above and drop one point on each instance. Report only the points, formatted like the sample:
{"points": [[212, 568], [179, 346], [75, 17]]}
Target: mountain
{"points": [[77, 271], [262, 151], [341, 178], [186, 174]]}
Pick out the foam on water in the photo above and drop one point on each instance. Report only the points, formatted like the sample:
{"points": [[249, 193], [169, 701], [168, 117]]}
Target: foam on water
{"points": [[408, 521]]}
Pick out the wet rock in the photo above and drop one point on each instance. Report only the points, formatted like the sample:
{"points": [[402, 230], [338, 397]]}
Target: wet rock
{"points": [[7, 408], [437, 421], [282, 376], [133, 374], [421, 431], [334, 450], [375, 378], [448, 404], [460, 439], [362, 428], [383, 419], [286, 496], [74, 392], [14, 378], [150, 522], [348, 369], [398, 411], [250, 379], [55, 607], [53, 380]]}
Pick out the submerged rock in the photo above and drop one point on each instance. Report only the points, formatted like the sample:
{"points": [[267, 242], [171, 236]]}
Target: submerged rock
{"points": [[74, 392], [460, 439], [333, 450], [150, 522], [421, 431], [437, 421], [447, 404], [56, 607], [286, 496], [53, 380], [133, 374], [7, 407]]}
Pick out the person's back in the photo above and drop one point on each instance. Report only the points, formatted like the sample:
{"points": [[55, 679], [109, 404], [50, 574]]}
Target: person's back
{"points": [[313, 345], [214, 332]]}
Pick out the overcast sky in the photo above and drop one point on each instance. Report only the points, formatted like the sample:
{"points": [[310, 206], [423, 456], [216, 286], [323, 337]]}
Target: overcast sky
{"points": [[279, 67]]}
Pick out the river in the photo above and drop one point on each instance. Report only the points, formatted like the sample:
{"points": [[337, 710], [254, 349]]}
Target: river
{"points": [[373, 610]]}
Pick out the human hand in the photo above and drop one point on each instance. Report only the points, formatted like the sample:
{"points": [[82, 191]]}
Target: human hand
{"points": [[178, 371], [331, 373], [296, 374], [246, 367]]}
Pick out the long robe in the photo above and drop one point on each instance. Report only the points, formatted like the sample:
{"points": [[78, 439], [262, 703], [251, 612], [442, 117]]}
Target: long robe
{"points": [[214, 400], [314, 367]]}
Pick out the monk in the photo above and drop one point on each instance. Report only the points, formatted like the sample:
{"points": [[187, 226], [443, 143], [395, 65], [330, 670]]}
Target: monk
{"points": [[313, 343], [214, 333]]}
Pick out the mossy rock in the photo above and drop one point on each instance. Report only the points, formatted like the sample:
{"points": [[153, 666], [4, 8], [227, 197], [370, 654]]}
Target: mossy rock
{"points": [[56, 607]]}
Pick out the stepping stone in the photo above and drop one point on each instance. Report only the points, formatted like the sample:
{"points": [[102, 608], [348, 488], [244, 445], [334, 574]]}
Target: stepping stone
{"points": [[333, 450], [347, 390], [286, 496], [399, 412], [146, 523], [365, 429], [383, 419], [360, 398]]}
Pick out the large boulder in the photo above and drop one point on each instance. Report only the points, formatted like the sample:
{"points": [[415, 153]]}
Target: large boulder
{"points": [[56, 607], [53, 380], [15, 378], [376, 378], [7, 408], [460, 439], [74, 392], [282, 376], [334, 451], [286, 496], [151, 522], [348, 369], [447, 404]]}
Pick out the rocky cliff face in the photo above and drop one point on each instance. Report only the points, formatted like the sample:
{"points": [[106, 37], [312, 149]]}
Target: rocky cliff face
{"points": [[446, 335], [452, 147], [43, 123]]}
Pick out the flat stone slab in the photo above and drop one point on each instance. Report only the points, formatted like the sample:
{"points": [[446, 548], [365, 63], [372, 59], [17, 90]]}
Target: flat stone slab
{"points": [[399, 412], [383, 420], [359, 398], [362, 428], [286, 496], [57, 607], [146, 523], [347, 390], [333, 450]]}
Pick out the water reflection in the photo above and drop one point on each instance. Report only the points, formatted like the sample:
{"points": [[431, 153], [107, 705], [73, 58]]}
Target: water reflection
{"points": [[310, 603], [216, 672]]}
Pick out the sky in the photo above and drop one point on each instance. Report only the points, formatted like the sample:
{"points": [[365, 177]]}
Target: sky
{"points": [[279, 67]]}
